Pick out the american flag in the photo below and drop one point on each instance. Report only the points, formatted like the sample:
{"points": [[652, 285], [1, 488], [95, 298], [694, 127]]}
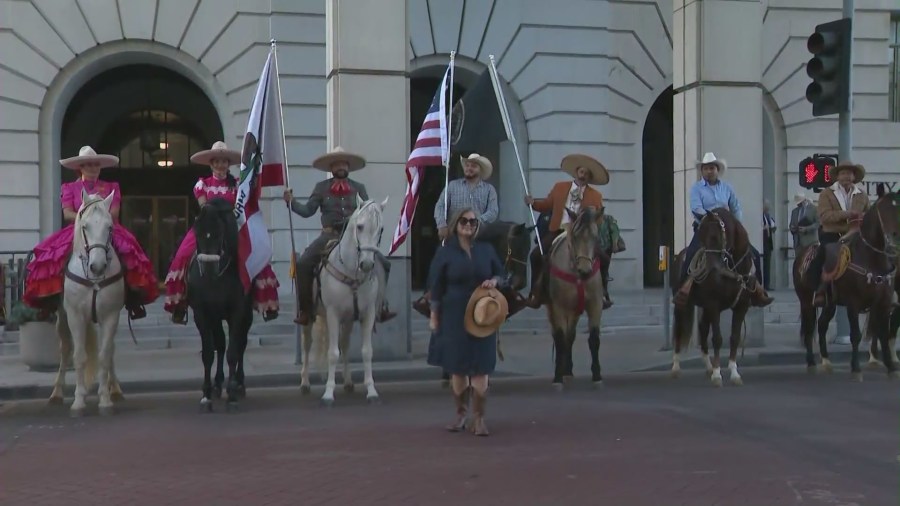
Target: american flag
{"points": [[431, 149]]}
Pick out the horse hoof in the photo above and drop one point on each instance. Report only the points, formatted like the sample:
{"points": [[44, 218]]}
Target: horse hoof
{"points": [[217, 392], [857, 377], [305, 390], [598, 384], [117, 397], [675, 374], [54, 401], [232, 407], [894, 375], [327, 403], [874, 364], [826, 368], [76, 412], [373, 400], [558, 386], [348, 388], [716, 382], [567, 380], [107, 410], [737, 381], [242, 392]]}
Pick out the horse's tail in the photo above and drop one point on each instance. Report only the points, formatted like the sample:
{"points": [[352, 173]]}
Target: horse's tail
{"points": [[683, 326], [320, 340], [90, 348]]}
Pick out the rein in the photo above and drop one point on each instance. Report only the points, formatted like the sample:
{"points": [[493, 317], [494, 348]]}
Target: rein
{"points": [[571, 276], [699, 268], [354, 282], [889, 253]]}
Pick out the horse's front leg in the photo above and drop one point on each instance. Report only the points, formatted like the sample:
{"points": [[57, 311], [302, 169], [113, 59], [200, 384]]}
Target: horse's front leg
{"points": [[855, 338], [883, 339], [107, 353], [78, 327], [232, 356], [367, 325], [207, 355], [559, 347], [824, 319], [716, 376], [307, 339], [594, 314], [571, 330], [65, 357], [218, 346], [334, 330], [703, 326], [737, 322], [344, 350]]}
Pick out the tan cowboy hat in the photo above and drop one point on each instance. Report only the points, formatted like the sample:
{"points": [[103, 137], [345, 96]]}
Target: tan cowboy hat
{"points": [[711, 159], [485, 312], [599, 174], [859, 172], [487, 168], [86, 155], [338, 154], [219, 150], [799, 197]]}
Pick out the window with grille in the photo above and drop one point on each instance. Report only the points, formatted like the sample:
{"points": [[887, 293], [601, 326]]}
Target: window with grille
{"points": [[894, 55]]}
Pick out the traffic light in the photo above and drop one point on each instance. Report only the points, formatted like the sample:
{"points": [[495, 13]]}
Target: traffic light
{"points": [[829, 68], [815, 171]]}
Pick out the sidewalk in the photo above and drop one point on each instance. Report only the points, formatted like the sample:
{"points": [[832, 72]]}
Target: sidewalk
{"points": [[528, 354]]}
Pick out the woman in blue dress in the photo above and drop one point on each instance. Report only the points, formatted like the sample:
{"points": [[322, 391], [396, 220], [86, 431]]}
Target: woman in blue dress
{"points": [[456, 271]]}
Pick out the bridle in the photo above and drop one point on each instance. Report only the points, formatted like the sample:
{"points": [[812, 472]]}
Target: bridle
{"points": [[354, 282], [203, 258], [724, 252], [85, 254]]}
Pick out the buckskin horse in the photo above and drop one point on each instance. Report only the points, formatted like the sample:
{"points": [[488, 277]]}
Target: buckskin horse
{"points": [[575, 287], [861, 269], [216, 295], [720, 273]]}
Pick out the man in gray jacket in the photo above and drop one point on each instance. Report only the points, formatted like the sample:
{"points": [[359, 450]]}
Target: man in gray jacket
{"points": [[804, 224], [336, 198]]}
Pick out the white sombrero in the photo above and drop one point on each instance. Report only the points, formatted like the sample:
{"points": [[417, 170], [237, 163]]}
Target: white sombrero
{"points": [[219, 150], [87, 155], [487, 168], [599, 174], [354, 161], [710, 159]]}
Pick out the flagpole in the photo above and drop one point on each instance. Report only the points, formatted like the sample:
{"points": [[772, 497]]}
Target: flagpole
{"points": [[504, 115], [449, 129]]}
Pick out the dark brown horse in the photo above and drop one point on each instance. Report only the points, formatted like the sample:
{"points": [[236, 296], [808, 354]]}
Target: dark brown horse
{"points": [[863, 282], [721, 273]]}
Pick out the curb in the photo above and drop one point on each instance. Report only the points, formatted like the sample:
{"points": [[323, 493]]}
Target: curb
{"points": [[274, 380], [839, 358]]}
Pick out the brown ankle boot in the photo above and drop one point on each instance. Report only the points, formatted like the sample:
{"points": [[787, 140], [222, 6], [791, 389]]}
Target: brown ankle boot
{"points": [[759, 297], [386, 314], [479, 428], [462, 407], [179, 315]]}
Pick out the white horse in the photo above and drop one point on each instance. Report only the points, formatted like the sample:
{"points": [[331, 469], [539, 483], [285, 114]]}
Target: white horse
{"points": [[352, 285], [93, 292]]}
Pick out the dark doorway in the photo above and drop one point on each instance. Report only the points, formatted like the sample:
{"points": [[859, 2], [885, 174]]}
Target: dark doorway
{"points": [[153, 119], [423, 236], [658, 185]]}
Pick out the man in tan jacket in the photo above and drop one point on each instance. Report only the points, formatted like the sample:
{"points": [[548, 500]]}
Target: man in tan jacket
{"points": [[840, 208]]}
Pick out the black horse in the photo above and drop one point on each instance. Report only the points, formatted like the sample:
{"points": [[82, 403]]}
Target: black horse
{"points": [[216, 294]]}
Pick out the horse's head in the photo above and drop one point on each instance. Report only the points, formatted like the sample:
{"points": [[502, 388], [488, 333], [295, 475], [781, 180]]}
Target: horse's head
{"points": [[93, 233], [366, 227], [584, 235], [882, 222], [215, 230], [518, 245]]}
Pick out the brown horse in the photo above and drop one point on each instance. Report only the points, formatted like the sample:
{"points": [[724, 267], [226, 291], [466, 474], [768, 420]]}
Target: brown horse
{"points": [[575, 286], [721, 273], [864, 281]]}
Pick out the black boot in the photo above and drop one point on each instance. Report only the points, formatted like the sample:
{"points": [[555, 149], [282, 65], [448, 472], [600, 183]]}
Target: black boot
{"points": [[304, 292]]}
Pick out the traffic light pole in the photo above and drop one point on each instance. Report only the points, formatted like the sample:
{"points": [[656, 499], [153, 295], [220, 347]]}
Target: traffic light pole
{"points": [[845, 152]]}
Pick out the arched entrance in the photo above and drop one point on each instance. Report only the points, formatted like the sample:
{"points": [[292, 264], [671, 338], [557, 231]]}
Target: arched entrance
{"points": [[153, 119], [658, 185]]}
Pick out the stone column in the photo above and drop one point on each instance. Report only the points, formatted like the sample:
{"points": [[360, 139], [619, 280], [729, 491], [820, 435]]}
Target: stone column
{"points": [[368, 113], [718, 108]]}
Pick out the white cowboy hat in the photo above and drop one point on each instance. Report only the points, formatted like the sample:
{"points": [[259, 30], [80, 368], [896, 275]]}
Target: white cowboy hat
{"points": [[599, 174], [710, 159], [799, 197], [487, 168], [485, 312], [219, 150], [859, 172], [354, 161], [86, 155]]}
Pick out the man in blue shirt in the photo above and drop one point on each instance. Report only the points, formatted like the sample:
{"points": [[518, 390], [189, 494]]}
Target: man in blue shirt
{"points": [[707, 194]]}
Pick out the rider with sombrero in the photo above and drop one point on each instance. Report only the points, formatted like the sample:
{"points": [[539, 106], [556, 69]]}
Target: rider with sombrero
{"points": [[45, 272], [220, 184], [336, 198], [709, 193], [572, 195], [841, 207]]}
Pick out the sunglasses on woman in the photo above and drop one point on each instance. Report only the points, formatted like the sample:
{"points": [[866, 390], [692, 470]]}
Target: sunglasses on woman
{"points": [[468, 221]]}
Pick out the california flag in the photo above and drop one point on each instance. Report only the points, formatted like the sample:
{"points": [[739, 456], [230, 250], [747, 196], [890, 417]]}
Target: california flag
{"points": [[262, 164]]}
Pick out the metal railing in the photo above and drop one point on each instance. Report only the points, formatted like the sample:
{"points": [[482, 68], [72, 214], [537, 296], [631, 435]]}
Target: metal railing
{"points": [[12, 283]]}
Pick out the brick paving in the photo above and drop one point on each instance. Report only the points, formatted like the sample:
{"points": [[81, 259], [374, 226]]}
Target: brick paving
{"points": [[784, 438]]}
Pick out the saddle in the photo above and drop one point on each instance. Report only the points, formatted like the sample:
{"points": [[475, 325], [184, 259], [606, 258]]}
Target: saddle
{"points": [[837, 259], [326, 251]]}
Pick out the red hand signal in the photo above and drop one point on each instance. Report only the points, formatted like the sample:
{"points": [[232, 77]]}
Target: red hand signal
{"points": [[810, 172]]}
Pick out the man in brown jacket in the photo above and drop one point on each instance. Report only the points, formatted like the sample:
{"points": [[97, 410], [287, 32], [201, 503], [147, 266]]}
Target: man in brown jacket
{"points": [[574, 194], [841, 207]]}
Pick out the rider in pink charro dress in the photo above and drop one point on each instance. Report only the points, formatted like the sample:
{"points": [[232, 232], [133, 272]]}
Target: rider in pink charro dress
{"points": [[221, 184], [44, 283]]}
